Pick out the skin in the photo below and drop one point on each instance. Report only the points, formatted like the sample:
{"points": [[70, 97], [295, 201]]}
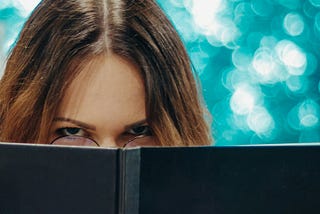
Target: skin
{"points": [[105, 102]]}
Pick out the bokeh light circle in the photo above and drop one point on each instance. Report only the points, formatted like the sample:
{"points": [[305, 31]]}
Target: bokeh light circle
{"points": [[260, 121], [293, 24]]}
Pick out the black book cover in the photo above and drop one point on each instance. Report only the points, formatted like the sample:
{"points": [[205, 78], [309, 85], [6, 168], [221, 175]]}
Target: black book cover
{"points": [[50, 180], [226, 180], [220, 180]]}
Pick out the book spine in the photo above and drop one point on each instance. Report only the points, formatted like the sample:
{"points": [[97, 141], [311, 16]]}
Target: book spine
{"points": [[129, 182]]}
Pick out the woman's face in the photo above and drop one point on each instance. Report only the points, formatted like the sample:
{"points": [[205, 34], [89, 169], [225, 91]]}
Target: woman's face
{"points": [[105, 104]]}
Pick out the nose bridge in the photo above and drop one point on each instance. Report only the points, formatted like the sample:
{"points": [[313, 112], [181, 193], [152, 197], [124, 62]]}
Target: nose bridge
{"points": [[111, 141], [108, 142]]}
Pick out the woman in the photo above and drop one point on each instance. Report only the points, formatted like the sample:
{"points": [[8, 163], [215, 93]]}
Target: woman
{"points": [[104, 72]]}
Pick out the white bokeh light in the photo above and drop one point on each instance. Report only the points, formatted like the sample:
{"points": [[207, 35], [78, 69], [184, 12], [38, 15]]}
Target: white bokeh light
{"points": [[204, 11], [292, 56], [265, 66], [260, 121], [26, 6], [209, 17], [243, 100], [308, 113], [293, 24]]}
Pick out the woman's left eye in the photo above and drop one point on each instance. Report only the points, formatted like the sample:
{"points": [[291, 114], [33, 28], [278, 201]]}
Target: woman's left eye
{"points": [[140, 130]]}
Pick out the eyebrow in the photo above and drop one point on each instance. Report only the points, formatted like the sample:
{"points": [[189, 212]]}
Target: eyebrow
{"points": [[138, 123], [76, 122], [91, 127]]}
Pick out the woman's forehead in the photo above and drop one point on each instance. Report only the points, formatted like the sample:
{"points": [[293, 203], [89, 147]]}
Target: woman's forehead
{"points": [[107, 89]]}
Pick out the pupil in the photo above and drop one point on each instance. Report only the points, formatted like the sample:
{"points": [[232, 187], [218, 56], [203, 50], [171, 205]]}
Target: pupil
{"points": [[139, 129], [72, 130]]}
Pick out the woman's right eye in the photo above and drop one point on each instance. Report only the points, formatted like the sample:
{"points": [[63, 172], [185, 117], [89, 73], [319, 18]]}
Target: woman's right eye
{"points": [[71, 131]]}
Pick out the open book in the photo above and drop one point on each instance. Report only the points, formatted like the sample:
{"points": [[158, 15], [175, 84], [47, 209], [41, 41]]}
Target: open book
{"points": [[198, 180]]}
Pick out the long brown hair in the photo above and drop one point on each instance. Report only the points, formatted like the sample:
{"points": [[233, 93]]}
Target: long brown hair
{"points": [[61, 35]]}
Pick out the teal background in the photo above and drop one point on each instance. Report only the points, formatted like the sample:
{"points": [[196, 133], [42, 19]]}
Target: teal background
{"points": [[257, 61]]}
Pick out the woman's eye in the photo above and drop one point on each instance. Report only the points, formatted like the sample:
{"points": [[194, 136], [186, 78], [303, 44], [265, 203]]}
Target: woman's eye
{"points": [[70, 131], [140, 130]]}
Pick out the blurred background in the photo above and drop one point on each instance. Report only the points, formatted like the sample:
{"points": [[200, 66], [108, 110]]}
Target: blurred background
{"points": [[257, 61]]}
